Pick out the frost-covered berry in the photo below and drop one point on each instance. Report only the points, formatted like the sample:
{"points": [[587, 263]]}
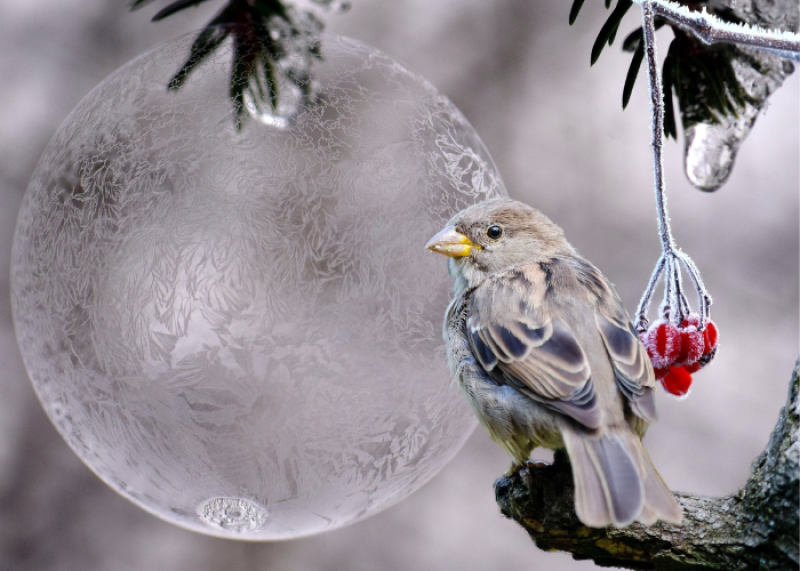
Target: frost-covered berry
{"points": [[694, 367], [711, 337], [691, 319], [692, 345], [663, 343], [677, 381], [710, 340]]}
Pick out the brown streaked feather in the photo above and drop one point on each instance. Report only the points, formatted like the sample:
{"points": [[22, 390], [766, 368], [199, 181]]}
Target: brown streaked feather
{"points": [[592, 280], [632, 366], [660, 503], [625, 349], [615, 482], [591, 504], [519, 345]]}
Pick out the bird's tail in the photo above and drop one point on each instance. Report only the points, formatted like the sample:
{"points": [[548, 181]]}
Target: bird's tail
{"points": [[615, 482]]}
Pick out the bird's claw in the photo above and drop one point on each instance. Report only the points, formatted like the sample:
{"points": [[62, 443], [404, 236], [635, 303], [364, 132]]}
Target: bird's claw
{"points": [[525, 474], [538, 464], [524, 470]]}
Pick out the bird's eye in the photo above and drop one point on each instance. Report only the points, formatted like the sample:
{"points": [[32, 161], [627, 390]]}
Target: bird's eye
{"points": [[494, 232]]}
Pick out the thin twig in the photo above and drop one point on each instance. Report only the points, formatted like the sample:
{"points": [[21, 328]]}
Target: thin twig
{"points": [[656, 124], [703, 298], [647, 296]]}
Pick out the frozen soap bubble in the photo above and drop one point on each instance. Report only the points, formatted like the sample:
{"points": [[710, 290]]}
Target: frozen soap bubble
{"points": [[241, 331]]}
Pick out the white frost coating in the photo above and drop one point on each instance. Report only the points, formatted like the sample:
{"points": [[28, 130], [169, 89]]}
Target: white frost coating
{"points": [[240, 331], [674, 305], [710, 29]]}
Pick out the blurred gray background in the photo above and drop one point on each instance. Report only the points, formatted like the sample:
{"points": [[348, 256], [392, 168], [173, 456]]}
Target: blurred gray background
{"points": [[554, 125]]}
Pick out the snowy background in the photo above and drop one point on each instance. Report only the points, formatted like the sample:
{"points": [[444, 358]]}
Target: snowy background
{"points": [[562, 143]]}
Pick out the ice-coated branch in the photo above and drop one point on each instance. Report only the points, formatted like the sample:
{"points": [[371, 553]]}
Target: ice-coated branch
{"points": [[752, 530], [710, 29]]}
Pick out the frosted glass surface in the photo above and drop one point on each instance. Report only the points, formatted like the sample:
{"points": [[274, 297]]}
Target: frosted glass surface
{"points": [[241, 331]]}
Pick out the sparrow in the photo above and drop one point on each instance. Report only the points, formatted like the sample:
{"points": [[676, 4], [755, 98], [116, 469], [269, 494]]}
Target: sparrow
{"points": [[543, 349]]}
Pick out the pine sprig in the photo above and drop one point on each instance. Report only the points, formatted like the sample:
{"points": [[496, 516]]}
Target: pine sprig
{"points": [[704, 81], [206, 43], [176, 7], [575, 10], [700, 76], [609, 30], [635, 43], [272, 43]]}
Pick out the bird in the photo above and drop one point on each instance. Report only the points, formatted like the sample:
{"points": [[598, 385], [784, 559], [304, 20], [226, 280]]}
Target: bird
{"points": [[546, 354]]}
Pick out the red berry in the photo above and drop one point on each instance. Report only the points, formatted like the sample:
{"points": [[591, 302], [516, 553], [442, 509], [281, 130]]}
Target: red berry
{"points": [[660, 373], [710, 337], [710, 334], [694, 367], [692, 345], [677, 381], [663, 344], [691, 319]]}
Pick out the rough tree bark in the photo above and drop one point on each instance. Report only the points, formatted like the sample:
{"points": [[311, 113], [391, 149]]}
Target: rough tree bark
{"points": [[755, 529]]}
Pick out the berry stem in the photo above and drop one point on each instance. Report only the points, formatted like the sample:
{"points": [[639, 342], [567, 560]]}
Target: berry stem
{"points": [[703, 297], [674, 305], [647, 296], [656, 125]]}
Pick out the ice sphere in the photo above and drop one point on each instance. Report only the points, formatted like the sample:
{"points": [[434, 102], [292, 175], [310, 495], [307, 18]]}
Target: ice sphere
{"points": [[241, 331]]}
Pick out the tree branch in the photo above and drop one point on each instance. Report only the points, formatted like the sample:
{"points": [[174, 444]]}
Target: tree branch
{"points": [[755, 529], [710, 29]]}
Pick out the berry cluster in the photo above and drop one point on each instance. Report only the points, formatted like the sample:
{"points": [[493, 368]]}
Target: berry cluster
{"points": [[677, 352]]}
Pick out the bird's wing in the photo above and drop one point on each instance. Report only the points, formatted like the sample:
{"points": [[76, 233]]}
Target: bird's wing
{"points": [[518, 344], [632, 366]]}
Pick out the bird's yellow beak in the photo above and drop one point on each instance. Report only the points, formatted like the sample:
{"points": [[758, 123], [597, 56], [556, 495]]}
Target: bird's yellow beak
{"points": [[451, 243]]}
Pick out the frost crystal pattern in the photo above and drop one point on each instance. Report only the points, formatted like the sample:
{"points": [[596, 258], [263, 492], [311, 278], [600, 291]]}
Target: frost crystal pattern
{"points": [[241, 331]]}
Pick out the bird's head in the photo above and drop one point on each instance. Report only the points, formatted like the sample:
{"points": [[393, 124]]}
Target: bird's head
{"points": [[496, 235]]}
